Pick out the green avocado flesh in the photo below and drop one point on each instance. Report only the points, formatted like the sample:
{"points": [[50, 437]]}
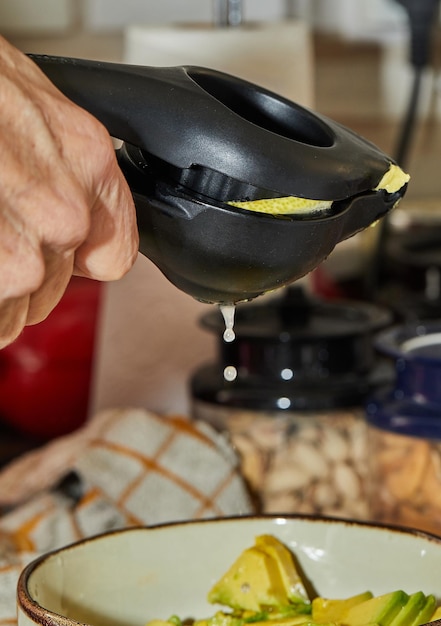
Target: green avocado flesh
{"points": [[380, 610], [264, 586], [263, 576]]}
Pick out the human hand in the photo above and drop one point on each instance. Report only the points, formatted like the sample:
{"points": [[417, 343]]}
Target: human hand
{"points": [[65, 207]]}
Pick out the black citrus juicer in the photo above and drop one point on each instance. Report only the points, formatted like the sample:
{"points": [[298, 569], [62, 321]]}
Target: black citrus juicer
{"points": [[196, 140]]}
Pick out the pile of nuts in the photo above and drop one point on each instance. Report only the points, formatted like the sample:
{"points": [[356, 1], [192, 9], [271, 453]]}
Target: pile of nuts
{"points": [[406, 480], [313, 463]]}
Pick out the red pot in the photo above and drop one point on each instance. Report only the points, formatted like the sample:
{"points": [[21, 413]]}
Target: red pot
{"points": [[45, 375]]}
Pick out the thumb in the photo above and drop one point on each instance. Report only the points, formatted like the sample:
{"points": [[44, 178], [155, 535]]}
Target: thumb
{"points": [[111, 246]]}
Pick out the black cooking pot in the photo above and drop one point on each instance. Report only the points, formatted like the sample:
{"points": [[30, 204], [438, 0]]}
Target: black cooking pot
{"points": [[312, 354]]}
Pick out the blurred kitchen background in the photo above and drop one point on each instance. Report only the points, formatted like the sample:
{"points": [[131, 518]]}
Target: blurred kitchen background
{"points": [[348, 59]]}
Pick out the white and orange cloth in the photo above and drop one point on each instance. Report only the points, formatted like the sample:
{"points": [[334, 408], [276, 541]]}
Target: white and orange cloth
{"points": [[125, 467]]}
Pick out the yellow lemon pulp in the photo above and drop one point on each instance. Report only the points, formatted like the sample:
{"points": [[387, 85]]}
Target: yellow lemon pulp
{"points": [[392, 181], [284, 206]]}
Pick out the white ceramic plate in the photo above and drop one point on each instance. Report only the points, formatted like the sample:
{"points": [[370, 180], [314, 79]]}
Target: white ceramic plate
{"points": [[128, 577]]}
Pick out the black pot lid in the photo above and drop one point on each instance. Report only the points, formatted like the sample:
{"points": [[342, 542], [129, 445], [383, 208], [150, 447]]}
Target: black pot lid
{"points": [[209, 386], [296, 337]]}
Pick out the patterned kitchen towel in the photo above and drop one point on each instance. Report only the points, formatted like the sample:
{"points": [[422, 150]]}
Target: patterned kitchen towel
{"points": [[125, 467]]}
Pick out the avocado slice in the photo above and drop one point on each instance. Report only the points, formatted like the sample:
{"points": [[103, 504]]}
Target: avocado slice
{"points": [[436, 613], [412, 609], [263, 576], [331, 610], [252, 583], [380, 610], [291, 579], [427, 613]]}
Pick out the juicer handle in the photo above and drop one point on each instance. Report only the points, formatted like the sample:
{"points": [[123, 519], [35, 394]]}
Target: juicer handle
{"points": [[218, 128]]}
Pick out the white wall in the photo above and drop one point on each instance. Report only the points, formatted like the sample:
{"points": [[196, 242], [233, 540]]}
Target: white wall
{"points": [[35, 16], [351, 18], [103, 14], [355, 19]]}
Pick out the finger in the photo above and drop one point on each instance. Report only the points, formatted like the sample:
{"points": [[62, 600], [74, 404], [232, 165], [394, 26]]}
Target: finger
{"points": [[112, 244], [46, 297], [21, 261], [13, 314]]}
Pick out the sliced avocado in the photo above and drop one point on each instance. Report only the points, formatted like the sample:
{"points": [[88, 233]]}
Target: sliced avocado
{"points": [[291, 579], [409, 613], [380, 610], [436, 614], [330, 610], [427, 613], [252, 583]]}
